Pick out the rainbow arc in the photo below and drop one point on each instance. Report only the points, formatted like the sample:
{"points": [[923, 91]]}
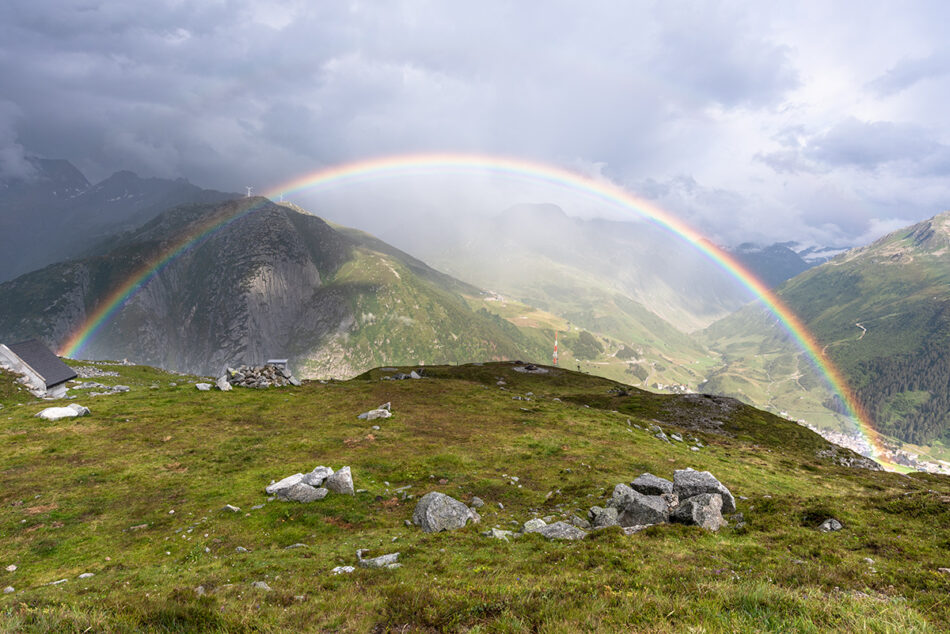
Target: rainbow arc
{"points": [[401, 166]]}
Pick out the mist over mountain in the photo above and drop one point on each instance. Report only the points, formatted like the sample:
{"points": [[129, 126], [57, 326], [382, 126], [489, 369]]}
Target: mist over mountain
{"points": [[53, 213], [272, 283]]}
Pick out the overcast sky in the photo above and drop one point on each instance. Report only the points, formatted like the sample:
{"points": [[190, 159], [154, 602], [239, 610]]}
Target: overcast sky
{"points": [[823, 122]]}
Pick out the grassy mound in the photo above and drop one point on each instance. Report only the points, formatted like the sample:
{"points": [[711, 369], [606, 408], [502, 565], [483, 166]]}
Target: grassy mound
{"points": [[134, 493]]}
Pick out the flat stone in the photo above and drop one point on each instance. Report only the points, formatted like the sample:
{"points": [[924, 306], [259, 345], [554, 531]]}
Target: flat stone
{"points": [[341, 482], [261, 585], [9, 590], [232, 508], [477, 502], [704, 510], [204, 387], [286, 483], [339, 570], [301, 492], [649, 484], [383, 561], [57, 413], [87, 575], [562, 530], [437, 511], [687, 483], [374, 414], [497, 533]]}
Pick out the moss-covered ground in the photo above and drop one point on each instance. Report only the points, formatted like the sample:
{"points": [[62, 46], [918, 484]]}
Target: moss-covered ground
{"points": [[134, 493]]}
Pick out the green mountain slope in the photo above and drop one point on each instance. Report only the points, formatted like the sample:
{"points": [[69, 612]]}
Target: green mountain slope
{"points": [[135, 494], [882, 313], [272, 283]]}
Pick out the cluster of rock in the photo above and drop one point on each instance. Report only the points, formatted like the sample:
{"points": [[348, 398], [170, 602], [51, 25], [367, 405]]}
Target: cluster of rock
{"points": [[90, 372], [103, 390], [70, 411], [260, 376], [313, 486], [693, 497]]}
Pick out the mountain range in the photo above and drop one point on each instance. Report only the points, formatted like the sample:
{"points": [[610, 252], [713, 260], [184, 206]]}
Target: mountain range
{"points": [[627, 300], [56, 214]]}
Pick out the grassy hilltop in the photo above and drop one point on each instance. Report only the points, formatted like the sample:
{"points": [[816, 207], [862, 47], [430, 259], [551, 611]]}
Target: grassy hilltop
{"points": [[96, 494]]}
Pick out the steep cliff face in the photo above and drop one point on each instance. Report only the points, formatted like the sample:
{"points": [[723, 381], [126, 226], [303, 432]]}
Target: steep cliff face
{"points": [[253, 280]]}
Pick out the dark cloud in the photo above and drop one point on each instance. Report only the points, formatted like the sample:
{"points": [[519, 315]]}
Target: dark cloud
{"points": [[750, 100]]}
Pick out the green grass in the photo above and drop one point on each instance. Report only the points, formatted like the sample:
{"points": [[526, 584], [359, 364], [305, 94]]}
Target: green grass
{"points": [[74, 490]]}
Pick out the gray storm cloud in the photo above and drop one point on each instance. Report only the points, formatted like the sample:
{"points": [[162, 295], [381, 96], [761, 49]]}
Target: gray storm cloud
{"points": [[741, 117]]}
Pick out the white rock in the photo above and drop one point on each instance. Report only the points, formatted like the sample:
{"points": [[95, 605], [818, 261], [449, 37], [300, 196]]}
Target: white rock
{"points": [[87, 575], [232, 508], [9, 590], [286, 483], [70, 411], [204, 387], [223, 384], [261, 585], [343, 569], [11, 568], [535, 525]]}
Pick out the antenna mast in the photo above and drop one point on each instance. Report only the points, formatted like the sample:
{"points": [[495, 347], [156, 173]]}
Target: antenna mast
{"points": [[249, 190]]}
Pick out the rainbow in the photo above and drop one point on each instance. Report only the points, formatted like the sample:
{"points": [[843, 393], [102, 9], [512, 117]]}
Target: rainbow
{"points": [[448, 163]]}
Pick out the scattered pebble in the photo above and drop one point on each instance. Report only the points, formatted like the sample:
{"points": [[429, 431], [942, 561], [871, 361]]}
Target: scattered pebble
{"points": [[9, 590], [261, 585], [241, 549], [343, 569], [232, 508], [11, 568], [87, 575]]}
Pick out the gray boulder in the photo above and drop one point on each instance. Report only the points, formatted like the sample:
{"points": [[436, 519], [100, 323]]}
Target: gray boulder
{"points": [[703, 510], [438, 512], [830, 525], [634, 508], [562, 530], [687, 483], [316, 477], [286, 483], [341, 482], [477, 502], [414, 375], [649, 484], [301, 492], [602, 517], [223, 384]]}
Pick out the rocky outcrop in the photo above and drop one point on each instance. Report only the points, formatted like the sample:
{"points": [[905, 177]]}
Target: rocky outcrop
{"points": [[693, 497], [312, 486], [261, 376]]}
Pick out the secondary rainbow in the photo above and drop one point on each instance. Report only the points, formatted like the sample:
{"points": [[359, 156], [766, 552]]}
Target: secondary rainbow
{"points": [[441, 163]]}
